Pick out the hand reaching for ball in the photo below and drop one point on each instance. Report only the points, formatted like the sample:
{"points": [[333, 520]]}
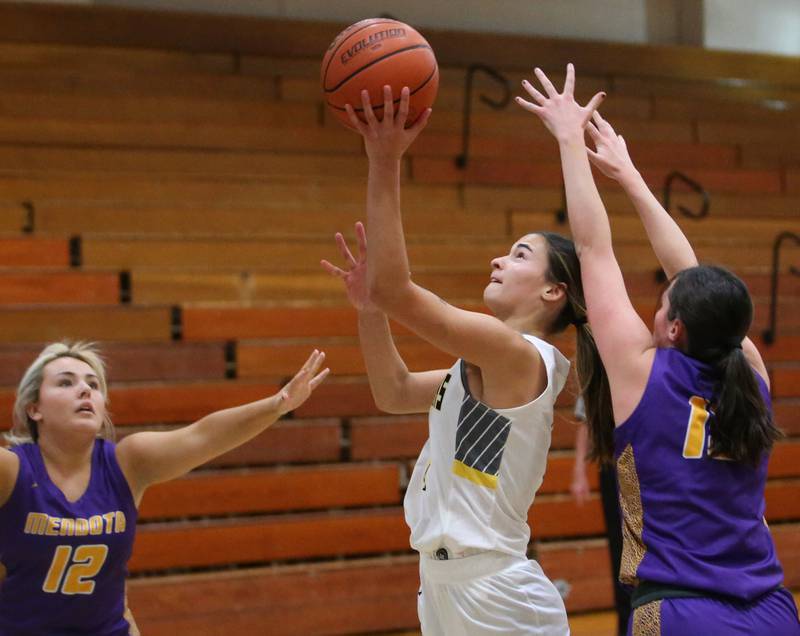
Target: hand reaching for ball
{"points": [[387, 139]]}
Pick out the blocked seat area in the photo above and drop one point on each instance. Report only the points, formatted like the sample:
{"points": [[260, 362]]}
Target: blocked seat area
{"points": [[172, 202]]}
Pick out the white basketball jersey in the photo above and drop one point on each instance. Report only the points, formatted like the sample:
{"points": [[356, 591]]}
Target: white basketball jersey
{"points": [[479, 471]]}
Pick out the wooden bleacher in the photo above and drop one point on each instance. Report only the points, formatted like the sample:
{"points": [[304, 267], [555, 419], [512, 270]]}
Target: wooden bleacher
{"points": [[168, 191]]}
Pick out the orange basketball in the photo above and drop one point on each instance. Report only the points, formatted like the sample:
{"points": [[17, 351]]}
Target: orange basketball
{"points": [[372, 53]]}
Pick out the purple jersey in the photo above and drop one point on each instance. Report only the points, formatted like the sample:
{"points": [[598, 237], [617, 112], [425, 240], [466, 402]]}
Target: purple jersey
{"points": [[66, 562], [689, 520]]}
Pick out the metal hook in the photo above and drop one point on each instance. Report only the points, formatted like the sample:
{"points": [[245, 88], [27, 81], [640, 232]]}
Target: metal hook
{"points": [[462, 159], [694, 185], [769, 334]]}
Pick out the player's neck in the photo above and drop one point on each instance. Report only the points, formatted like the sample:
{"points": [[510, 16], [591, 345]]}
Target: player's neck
{"points": [[65, 458]]}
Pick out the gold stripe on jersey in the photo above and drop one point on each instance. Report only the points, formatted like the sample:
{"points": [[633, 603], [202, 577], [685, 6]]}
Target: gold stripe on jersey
{"points": [[475, 476]]}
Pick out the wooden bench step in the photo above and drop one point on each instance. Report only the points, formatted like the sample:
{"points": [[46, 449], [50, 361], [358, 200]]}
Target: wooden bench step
{"points": [[364, 595], [54, 288], [214, 493], [127, 362], [92, 323], [274, 218], [254, 540], [34, 252], [31, 159]]}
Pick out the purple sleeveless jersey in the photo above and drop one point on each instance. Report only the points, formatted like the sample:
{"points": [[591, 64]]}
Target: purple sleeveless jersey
{"points": [[66, 562], [690, 520]]}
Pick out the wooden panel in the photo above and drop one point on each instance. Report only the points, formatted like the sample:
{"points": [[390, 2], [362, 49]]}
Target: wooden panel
{"points": [[13, 217], [30, 159], [709, 231], [340, 399], [770, 155], [325, 598], [117, 80], [724, 132], [785, 381], [164, 110], [126, 362], [53, 288], [164, 546], [317, 440], [585, 565], [268, 322], [783, 500], [646, 153], [215, 493], [793, 183], [34, 252], [388, 436], [234, 190], [787, 545], [275, 255], [157, 403], [553, 516], [130, 324], [787, 415], [93, 59], [188, 135], [276, 217], [254, 360], [178, 287]]}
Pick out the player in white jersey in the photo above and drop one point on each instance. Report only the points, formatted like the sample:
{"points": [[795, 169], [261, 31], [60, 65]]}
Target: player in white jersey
{"points": [[490, 414]]}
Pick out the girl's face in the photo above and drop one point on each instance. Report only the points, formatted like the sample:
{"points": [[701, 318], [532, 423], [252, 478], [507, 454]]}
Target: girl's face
{"points": [[519, 278], [70, 400]]}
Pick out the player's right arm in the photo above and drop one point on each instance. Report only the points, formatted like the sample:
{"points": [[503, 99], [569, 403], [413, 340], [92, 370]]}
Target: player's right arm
{"points": [[395, 389], [623, 340], [9, 469], [672, 248]]}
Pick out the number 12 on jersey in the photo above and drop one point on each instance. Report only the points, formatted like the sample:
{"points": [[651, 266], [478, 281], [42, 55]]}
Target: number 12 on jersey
{"points": [[80, 567]]}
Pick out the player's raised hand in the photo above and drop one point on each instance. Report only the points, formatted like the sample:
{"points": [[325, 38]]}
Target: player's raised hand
{"points": [[300, 387], [388, 138], [354, 274], [611, 153], [559, 112]]}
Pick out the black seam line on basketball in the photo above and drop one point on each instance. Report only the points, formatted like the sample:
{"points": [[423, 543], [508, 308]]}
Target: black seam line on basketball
{"points": [[375, 61], [394, 101], [336, 50]]}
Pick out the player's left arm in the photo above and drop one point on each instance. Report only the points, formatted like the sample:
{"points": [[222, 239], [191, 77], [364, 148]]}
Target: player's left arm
{"points": [[671, 246], [481, 339], [154, 456]]}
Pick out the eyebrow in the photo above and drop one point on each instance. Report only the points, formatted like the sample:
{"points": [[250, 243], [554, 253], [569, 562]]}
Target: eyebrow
{"points": [[525, 245], [74, 375]]}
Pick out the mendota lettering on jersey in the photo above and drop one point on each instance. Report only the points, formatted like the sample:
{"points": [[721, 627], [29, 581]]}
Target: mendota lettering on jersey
{"points": [[43, 524]]}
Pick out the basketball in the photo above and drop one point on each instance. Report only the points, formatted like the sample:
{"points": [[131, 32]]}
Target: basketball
{"points": [[371, 54]]}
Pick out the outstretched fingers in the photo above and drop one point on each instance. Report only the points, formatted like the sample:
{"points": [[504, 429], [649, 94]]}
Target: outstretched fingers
{"points": [[531, 90], [569, 82], [332, 269], [317, 379], [592, 106], [361, 240], [355, 122], [529, 106], [545, 82], [347, 255]]}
